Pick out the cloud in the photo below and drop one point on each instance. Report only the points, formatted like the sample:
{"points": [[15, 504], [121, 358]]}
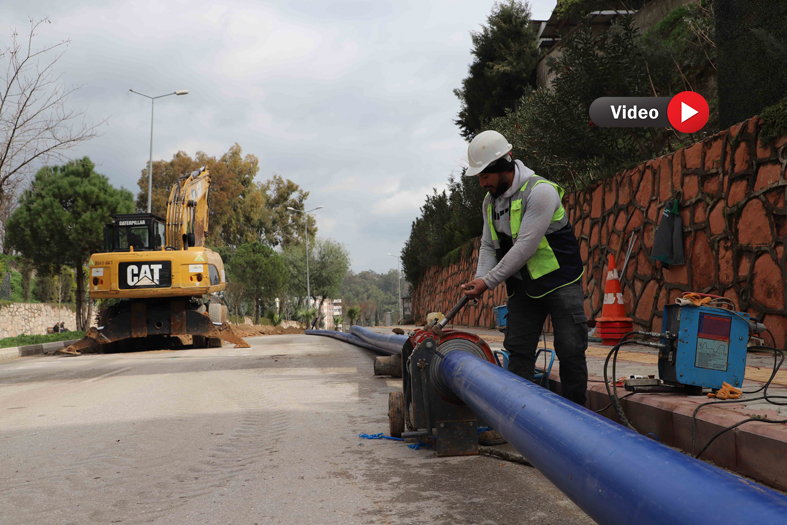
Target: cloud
{"points": [[326, 225], [405, 202], [352, 100]]}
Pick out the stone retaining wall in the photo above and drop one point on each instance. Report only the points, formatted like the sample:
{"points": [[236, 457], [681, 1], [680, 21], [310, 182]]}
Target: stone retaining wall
{"points": [[732, 194], [33, 319]]}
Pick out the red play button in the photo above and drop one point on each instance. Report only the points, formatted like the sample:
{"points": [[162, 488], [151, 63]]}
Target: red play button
{"points": [[688, 112]]}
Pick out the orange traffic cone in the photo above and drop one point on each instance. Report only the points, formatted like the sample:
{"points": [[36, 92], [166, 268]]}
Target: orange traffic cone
{"points": [[613, 323]]}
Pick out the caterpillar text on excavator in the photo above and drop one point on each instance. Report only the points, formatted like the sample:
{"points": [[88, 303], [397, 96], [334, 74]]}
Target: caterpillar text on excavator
{"points": [[165, 280]]}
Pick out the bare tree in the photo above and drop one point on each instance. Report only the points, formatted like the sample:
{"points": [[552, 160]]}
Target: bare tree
{"points": [[7, 206], [35, 124]]}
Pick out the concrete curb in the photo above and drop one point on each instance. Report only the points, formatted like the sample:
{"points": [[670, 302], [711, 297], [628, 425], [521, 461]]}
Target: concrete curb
{"points": [[9, 353], [44, 348]]}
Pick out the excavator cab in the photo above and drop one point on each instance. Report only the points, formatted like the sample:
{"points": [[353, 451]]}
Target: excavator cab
{"points": [[137, 231]]}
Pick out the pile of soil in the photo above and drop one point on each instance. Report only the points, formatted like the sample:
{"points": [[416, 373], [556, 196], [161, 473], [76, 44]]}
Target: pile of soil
{"points": [[248, 330]]}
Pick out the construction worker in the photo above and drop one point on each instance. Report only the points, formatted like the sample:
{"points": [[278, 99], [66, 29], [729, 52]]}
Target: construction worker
{"points": [[529, 244]]}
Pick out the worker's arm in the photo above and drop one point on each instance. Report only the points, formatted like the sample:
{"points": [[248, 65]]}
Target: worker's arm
{"points": [[487, 259], [542, 204]]}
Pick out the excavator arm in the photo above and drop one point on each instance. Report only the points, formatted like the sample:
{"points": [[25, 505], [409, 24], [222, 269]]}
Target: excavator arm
{"points": [[187, 210]]}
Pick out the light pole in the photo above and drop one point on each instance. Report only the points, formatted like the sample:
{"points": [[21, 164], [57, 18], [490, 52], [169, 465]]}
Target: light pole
{"points": [[399, 275], [306, 235], [150, 162]]}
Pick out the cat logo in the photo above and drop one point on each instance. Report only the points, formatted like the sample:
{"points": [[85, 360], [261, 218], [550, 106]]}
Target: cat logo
{"points": [[150, 275], [147, 275]]}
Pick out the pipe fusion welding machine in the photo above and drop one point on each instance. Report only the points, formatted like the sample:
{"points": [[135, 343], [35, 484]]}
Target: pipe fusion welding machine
{"points": [[427, 407], [703, 348]]}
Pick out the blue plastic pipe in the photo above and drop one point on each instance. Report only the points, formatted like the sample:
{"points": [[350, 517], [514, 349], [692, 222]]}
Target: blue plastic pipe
{"points": [[612, 473], [390, 342], [352, 339]]}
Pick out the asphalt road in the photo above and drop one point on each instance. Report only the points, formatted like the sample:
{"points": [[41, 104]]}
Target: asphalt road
{"points": [[261, 435]]}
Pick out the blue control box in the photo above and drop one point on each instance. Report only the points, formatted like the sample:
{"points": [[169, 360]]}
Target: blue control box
{"points": [[501, 316], [710, 348]]}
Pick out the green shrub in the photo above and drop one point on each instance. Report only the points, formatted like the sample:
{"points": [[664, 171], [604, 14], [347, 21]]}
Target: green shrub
{"points": [[774, 122], [17, 295]]}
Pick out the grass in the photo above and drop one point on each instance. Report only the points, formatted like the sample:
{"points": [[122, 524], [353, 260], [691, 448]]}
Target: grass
{"points": [[22, 340]]}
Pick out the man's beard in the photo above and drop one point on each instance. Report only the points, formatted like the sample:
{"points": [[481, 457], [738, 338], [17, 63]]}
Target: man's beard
{"points": [[498, 190]]}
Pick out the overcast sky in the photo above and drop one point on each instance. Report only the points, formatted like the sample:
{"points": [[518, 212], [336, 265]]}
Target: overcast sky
{"points": [[352, 100]]}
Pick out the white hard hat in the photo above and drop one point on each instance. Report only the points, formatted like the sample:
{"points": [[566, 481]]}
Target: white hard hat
{"points": [[484, 149]]}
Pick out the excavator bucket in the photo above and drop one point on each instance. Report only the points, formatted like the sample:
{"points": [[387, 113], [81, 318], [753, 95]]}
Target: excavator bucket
{"points": [[226, 334], [91, 343]]}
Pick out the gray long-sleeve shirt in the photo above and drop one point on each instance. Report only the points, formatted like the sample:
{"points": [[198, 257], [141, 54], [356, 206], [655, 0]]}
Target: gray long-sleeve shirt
{"points": [[541, 205]]}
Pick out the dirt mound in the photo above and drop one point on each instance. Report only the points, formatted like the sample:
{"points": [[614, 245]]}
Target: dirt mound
{"points": [[248, 330]]}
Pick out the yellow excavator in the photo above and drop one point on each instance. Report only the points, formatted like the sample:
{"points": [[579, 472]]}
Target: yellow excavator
{"points": [[165, 280]]}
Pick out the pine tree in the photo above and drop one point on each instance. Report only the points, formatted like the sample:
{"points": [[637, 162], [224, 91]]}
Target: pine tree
{"points": [[505, 58]]}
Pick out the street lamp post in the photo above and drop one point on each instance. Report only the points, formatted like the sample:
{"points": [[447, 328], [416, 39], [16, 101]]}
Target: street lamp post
{"points": [[306, 234], [399, 275], [150, 162]]}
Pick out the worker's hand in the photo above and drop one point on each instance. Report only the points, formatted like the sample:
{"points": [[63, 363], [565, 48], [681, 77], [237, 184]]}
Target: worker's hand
{"points": [[474, 289]]}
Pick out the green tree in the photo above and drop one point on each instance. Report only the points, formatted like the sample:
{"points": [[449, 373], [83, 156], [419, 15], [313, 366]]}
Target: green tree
{"points": [[44, 288], [505, 56], [60, 220], [280, 226], [264, 272], [550, 128], [329, 262], [65, 285], [353, 314], [380, 289], [26, 268], [240, 209], [428, 241]]}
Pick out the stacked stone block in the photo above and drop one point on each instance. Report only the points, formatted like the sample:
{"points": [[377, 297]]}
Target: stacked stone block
{"points": [[732, 202], [33, 319]]}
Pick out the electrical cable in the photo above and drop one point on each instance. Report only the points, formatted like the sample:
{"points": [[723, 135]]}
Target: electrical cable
{"points": [[613, 354], [615, 401], [736, 425], [773, 339], [775, 367], [768, 398], [610, 404], [613, 395]]}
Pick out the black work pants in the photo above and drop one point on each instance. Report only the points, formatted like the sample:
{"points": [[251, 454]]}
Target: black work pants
{"points": [[526, 318]]}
